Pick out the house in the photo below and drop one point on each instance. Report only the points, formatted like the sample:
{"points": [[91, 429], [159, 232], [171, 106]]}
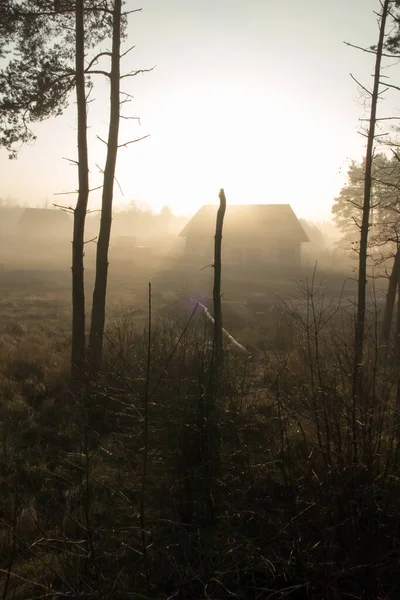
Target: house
{"points": [[253, 235], [45, 223]]}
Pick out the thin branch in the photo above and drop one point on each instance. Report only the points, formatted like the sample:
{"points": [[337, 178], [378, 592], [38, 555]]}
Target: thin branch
{"points": [[395, 154], [64, 193], [361, 85], [138, 72], [129, 12], [370, 51], [71, 160], [92, 240], [96, 188], [127, 95], [126, 144], [65, 208], [120, 188], [382, 119], [95, 59], [127, 51], [390, 85], [98, 72], [386, 183]]}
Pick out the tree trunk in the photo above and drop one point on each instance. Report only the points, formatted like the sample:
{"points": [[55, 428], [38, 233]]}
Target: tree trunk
{"points": [[397, 354], [78, 289], [362, 272], [217, 284], [100, 288], [390, 299]]}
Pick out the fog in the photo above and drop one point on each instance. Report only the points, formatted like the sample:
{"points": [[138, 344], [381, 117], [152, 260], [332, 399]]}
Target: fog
{"points": [[41, 237]]}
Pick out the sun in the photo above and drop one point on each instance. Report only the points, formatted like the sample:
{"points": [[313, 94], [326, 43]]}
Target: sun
{"points": [[260, 147]]}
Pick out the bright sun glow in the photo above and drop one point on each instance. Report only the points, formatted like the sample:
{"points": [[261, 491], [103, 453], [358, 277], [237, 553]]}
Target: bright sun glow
{"points": [[258, 146], [261, 146], [228, 105]]}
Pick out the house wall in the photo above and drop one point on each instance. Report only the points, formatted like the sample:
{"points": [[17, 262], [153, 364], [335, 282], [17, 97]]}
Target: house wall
{"points": [[246, 251]]}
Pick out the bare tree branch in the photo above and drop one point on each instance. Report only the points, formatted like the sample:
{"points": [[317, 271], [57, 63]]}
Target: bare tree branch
{"points": [[133, 141], [64, 208], [390, 85], [95, 59], [71, 160], [361, 85], [127, 51], [370, 51], [92, 240], [64, 193], [129, 12], [117, 182], [138, 72], [98, 72]]}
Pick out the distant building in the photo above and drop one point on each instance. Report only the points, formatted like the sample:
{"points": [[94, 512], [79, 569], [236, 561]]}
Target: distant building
{"points": [[253, 235], [45, 223]]}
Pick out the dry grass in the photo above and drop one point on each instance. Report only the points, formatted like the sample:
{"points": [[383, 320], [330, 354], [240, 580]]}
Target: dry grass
{"points": [[255, 492]]}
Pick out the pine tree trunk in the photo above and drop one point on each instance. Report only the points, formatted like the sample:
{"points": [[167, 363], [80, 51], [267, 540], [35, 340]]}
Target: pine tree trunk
{"points": [[362, 271], [217, 284], [78, 290], [100, 288], [397, 354], [390, 300], [397, 334]]}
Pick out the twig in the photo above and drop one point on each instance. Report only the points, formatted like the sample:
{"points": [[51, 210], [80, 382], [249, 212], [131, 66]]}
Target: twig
{"points": [[71, 160], [129, 12], [127, 51], [96, 188], [64, 193], [95, 59], [99, 72], [361, 85], [126, 144], [370, 51], [118, 184], [65, 208], [138, 72]]}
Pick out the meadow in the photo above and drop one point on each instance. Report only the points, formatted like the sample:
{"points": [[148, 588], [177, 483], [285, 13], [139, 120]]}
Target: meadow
{"points": [[148, 484]]}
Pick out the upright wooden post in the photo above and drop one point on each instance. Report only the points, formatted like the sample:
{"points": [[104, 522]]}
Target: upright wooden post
{"points": [[217, 285]]}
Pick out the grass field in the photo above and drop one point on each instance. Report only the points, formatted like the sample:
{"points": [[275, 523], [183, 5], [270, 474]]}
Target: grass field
{"points": [[277, 485]]}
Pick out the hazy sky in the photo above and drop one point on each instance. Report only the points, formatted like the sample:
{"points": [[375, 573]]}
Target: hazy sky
{"points": [[251, 95]]}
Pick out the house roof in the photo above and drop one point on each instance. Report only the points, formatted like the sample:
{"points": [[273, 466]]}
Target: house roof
{"points": [[265, 219]]}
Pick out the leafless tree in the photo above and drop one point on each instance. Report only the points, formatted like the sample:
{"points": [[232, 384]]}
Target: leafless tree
{"points": [[78, 291], [366, 208]]}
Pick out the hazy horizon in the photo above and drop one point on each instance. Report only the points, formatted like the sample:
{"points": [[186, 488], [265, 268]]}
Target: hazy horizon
{"points": [[254, 97]]}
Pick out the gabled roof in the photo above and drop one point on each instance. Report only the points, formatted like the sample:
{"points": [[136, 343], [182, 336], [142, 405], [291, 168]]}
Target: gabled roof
{"points": [[265, 219]]}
